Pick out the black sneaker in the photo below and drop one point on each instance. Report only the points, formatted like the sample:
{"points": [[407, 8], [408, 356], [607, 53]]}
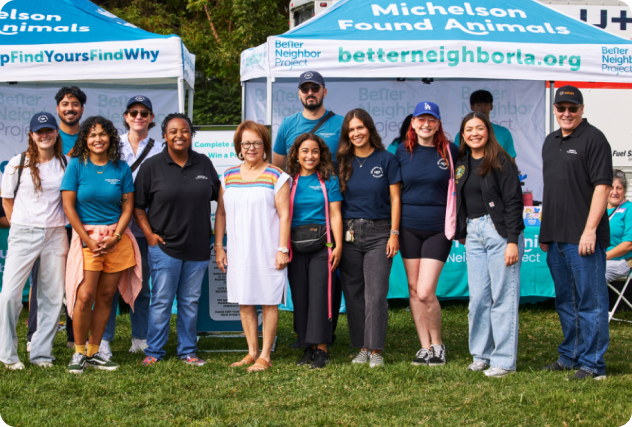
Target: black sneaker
{"points": [[308, 357], [100, 361], [437, 356], [555, 367], [585, 375], [77, 363], [421, 358], [321, 359]]}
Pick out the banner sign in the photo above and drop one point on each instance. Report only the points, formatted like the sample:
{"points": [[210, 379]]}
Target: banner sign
{"points": [[18, 103], [519, 106]]}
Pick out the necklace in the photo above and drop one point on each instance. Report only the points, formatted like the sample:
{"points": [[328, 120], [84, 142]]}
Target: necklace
{"points": [[365, 159], [97, 171]]}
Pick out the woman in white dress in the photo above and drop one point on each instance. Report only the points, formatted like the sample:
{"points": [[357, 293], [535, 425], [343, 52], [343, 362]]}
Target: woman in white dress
{"points": [[254, 209]]}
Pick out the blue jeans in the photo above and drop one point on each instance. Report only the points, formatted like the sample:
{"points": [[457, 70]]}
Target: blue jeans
{"points": [[581, 301], [140, 315], [494, 295], [171, 277]]}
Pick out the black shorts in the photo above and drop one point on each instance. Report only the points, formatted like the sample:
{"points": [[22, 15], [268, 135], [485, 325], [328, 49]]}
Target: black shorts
{"points": [[415, 244]]}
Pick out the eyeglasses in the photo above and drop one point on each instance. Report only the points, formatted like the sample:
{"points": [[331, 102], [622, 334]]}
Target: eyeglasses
{"points": [[143, 113], [571, 110], [256, 144], [430, 121], [306, 89]]}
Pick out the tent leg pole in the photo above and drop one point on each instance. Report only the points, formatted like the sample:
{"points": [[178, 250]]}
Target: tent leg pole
{"points": [[243, 101], [552, 97], [180, 95], [190, 114], [269, 101]]}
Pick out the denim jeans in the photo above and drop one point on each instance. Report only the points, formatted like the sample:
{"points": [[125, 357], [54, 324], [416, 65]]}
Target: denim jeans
{"points": [[364, 272], [581, 301], [25, 245], [171, 277], [494, 295], [140, 315]]}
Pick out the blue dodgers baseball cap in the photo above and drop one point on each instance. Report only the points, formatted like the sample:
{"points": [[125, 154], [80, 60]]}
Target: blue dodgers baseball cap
{"points": [[311, 77], [43, 120], [140, 99], [427, 108]]}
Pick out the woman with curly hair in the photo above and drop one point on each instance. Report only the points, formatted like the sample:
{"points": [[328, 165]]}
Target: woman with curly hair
{"points": [[370, 181], [316, 223], [98, 196], [37, 221]]}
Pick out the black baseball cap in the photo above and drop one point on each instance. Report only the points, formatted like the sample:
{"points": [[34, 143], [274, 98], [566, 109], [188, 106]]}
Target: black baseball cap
{"points": [[43, 120], [140, 99], [311, 77], [568, 94]]}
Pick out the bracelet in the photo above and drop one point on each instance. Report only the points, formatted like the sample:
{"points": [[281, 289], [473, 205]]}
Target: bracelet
{"points": [[395, 232], [118, 235], [219, 244]]}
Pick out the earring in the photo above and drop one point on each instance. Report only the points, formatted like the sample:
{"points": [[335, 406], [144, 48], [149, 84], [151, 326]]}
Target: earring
{"points": [[264, 156], [240, 156]]}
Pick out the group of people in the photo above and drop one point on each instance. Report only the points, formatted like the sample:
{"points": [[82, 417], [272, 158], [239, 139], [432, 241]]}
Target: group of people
{"points": [[327, 207]]}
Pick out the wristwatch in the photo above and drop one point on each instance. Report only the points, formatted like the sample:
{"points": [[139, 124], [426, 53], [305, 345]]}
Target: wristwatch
{"points": [[284, 250]]}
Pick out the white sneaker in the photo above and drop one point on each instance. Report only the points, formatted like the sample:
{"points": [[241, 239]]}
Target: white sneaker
{"points": [[376, 360], [28, 346], [44, 364], [105, 350], [363, 356], [138, 346], [478, 366], [497, 372], [17, 366]]}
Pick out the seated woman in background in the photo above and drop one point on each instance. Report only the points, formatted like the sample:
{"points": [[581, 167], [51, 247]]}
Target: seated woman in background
{"points": [[98, 196], [620, 216]]}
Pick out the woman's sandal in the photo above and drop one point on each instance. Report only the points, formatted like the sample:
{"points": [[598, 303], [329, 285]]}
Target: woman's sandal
{"points": [[260, 365], [248, 360]]}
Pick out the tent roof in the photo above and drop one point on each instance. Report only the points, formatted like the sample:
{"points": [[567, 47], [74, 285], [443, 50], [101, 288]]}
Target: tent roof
{"points": [[75, 40], [524, 21], [490, 39]]}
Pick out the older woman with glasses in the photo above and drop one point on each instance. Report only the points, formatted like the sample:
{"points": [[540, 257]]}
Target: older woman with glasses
{"points": [[620, 216], [254, 208]]}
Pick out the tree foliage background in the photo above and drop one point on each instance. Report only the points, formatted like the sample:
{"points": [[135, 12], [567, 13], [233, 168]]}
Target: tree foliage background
{"points": [[216, 31]]}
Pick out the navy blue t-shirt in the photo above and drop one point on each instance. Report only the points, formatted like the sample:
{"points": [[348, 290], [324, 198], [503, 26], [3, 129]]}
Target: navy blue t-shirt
{"points": [[368, 194], [425, 179]]}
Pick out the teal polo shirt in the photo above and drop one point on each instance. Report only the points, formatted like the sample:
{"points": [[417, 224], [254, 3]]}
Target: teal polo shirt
{"points": [[620, 227]]}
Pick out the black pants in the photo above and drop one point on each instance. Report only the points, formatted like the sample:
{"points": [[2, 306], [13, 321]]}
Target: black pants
{"points": [[308, 276], [70, 334]]}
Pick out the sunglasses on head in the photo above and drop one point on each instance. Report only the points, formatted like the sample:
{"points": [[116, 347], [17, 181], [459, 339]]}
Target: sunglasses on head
{"points": [[134, 113], [314, 89], [570, 109]]}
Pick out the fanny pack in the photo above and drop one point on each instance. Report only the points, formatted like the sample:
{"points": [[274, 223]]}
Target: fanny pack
{"points": [[312, 237]]}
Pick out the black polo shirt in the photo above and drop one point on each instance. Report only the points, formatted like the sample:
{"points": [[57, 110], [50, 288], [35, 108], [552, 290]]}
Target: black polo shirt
{"points": [[178, 202], [573, 166]]}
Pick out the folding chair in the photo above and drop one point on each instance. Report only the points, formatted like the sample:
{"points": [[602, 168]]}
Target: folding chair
{"points": [[621, 297]]}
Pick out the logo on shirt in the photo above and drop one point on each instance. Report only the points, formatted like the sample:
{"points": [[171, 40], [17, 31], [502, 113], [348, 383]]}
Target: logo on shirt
{"points": [[491, 204], [315, 187], [113, 181], [572, 151], [377, 172], [326, 134], [460, 171], [442, 165], [201, 177]]}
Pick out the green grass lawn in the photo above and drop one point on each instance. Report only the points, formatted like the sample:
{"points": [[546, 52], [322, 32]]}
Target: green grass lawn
{"points": [[172, 393]]}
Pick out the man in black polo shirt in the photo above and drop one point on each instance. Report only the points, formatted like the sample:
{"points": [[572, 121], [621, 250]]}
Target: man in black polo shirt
{"points": [[575, 233]]}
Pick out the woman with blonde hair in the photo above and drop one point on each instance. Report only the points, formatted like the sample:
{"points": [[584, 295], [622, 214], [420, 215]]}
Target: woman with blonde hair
{"points": [[33, 205], [254, 210]]}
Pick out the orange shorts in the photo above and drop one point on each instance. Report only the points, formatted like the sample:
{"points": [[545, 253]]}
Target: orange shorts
{"points": [[121, 258]]}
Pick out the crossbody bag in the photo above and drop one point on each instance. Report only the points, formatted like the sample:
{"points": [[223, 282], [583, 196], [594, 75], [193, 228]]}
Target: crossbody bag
{"points": [[64, 162], [148, 147], [310, 238]]}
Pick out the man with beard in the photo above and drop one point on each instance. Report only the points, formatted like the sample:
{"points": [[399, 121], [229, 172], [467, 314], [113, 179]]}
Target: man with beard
{"points": [[70, 102], [312, 93]]}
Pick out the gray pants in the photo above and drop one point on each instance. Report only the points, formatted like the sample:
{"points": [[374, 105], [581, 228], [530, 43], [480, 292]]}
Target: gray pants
{"points": [[25, 245], [617, 270], [364, 272]]}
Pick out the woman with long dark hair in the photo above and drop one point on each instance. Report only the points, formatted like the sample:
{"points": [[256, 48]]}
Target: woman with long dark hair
{"points": [[370, 182], [316, 225], [32, 202], [426, 162], [489, 222], [98, 195]]}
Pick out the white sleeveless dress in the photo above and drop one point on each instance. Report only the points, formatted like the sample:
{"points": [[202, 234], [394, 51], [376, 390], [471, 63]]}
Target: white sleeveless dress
{"points": [[252, 232]]}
